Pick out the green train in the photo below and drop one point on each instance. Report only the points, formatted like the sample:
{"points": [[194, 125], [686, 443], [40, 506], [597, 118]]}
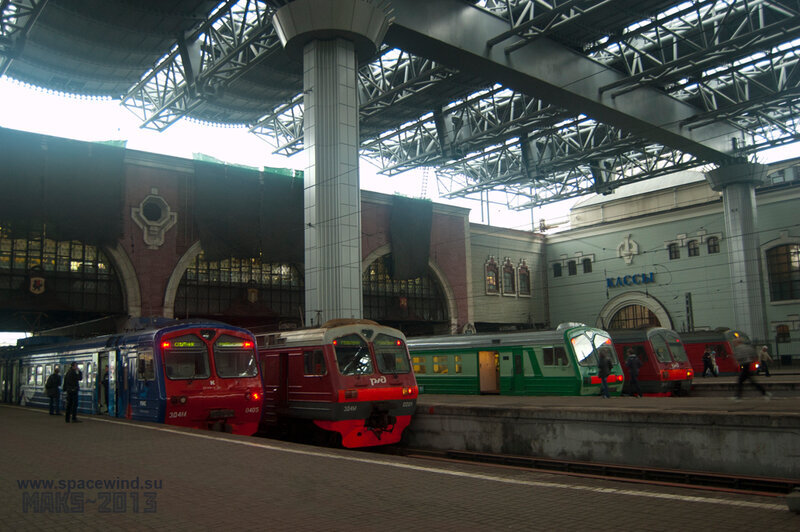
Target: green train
{"points": [[561, 361]]}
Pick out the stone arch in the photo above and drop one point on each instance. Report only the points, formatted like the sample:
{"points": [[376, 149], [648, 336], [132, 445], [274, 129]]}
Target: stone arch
{"points": [[621, 301], [452, 309], [175, 278], [126, 274]]}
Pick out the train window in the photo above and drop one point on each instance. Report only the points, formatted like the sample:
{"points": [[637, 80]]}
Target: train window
{"points": [[458, 366], [89, 375], [660, 347], [314, 363], [391, 354], [419, 365], [39, 375], [677, 349], [235, 357], [440, 364], [555, 356], [352, 355], [145, 370], [186, 357], [584, 350]]}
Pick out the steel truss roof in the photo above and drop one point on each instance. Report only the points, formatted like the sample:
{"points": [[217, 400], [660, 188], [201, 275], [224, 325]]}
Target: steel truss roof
{"points": [[479, 91]]}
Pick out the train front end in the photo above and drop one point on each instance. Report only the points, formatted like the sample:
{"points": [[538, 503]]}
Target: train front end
{"points": [[674, 371], [211, 378], [589, 346], [375, 392]]}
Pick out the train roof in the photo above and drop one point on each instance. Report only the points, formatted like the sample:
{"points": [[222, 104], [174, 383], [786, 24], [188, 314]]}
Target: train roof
{"points": [[497, 338], [638, 335], [326, 334], [43, 344], [717, 335]]}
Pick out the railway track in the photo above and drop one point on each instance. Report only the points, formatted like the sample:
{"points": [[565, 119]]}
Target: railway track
{"points": [[773, 487]]}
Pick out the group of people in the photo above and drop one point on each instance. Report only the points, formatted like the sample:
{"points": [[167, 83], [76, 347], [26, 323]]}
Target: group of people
{"points": [[71, 386]]}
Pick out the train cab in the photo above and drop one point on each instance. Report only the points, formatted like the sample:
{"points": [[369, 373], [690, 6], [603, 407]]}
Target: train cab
{"points": [[665, 368]]}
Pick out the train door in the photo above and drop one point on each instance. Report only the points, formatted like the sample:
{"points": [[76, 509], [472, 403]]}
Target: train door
{"points": [[103, 382], [283, 381], [3, 382], [113, 383], [143, 389], [518, 374], [489, 371]]}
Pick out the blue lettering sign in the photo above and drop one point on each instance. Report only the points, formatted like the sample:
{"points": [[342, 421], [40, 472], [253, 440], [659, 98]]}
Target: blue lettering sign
{"points": [[631, 280]]}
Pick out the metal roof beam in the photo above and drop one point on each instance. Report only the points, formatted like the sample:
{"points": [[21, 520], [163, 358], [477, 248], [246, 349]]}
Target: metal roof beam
{"points": [[456, 33], [16, 20], [236, 37]]}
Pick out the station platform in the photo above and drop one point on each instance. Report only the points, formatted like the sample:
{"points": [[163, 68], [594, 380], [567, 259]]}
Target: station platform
{"points": [[121, 475], [705, 431]]}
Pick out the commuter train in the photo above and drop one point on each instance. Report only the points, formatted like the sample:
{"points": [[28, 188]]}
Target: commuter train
{"points": [[348, 383], [721, 342], [665, 367], [191, 374], [563, 361]]}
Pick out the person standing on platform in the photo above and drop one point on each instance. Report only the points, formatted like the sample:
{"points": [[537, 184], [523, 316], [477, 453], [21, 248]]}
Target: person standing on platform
{"points": [[745, 356], [604, 367], [51, 388], [71, 387], [763, 360], [708, 362], [634, 363]]}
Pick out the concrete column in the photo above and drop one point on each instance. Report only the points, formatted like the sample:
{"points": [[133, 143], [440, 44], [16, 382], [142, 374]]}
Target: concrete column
{"points": [[331, 37], [737, 183]]}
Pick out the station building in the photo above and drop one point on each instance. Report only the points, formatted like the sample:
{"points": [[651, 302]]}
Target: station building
{"points": [[97, 232], [654, 254]]}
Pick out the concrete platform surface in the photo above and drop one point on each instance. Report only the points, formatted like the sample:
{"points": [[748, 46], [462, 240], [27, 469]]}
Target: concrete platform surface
{"points": [[107, 474]]}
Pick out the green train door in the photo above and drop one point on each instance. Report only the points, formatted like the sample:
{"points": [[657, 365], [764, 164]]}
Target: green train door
{"points": [[489, 370]]}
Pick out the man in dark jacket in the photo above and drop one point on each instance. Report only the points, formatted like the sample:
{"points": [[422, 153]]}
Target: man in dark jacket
{"points": [[71, 386], [634, 363], [51, 388]]}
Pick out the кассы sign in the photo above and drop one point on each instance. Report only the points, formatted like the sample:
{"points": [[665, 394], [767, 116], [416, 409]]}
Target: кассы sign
{"points": [[630, 280]]}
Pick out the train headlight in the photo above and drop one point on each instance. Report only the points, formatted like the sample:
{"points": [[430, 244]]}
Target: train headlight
{"points": [[252, 396], [689, 374], [175, 399]]}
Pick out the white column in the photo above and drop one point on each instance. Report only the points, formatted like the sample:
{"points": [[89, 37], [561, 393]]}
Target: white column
{"points": [[332, 199]]}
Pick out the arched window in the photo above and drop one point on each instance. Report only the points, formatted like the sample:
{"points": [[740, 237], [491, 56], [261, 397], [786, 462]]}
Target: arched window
{"points": [[60, 281], [241, 291], [634, 317], [491, 276], [693, 248], [412, 305], [783, 267], [674, 251], [509, 284], [713, 244], [524, 279]]}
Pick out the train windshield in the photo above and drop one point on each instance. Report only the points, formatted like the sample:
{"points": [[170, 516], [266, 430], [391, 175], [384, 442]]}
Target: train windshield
{"points": [[352, 355], [676, 348], [660, 348], [186, 357], [235, 357], [589, 344], [391, 354]]}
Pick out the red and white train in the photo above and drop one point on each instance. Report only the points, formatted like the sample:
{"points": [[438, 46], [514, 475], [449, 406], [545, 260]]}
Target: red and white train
{"points": [[349, 381]]}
